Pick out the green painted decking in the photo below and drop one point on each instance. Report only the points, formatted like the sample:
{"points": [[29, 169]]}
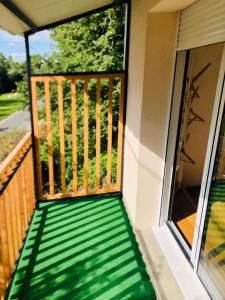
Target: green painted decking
{"points": [[81, 249]]}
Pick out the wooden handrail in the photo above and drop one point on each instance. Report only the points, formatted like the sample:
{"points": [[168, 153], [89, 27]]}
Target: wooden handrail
{"points": [[17, 203], [9, 164]]}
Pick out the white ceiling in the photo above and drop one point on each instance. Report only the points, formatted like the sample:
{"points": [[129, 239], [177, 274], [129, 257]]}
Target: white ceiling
{"points": [[172, 5], [43, 12]]}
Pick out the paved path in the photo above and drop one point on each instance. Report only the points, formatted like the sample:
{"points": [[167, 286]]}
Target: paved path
{"points": [[18, 120]]}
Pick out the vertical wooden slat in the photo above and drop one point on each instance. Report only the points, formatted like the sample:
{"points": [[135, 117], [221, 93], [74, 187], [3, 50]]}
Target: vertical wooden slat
{"points": [[61, 134], [4, 250], [36, 136], [25, 199], [12, 210], [86, 136], [15, 203], [74, 133], [28, 206], [49, 138], [120, 134], [32, 188], [31, 183], [9, 229], [98, 134], [109, 148], [20, 202], [29, 180]]}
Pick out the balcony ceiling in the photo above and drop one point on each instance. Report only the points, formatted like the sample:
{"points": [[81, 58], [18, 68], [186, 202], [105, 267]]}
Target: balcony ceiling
{"points": [[42, 12]]}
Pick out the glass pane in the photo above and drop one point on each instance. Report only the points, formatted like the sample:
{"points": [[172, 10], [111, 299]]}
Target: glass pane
{"points": [[196, 114], [212, 257]]}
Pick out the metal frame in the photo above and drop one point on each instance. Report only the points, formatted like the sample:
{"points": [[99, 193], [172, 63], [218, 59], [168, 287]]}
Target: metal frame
{"points": [[179, 79], [28, 68], [126, 67], [126, 63]]}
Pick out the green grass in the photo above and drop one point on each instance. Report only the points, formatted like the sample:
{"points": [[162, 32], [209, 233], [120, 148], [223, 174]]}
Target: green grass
{"points": [[81, 249], [9, 103]]}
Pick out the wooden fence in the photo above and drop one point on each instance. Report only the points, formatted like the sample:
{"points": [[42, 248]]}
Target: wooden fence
{"points": [[37, 97], [16, 206]]}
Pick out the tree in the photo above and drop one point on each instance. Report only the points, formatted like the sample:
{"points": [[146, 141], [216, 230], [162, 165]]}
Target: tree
{"points": [[11, 72], [93, 43]]}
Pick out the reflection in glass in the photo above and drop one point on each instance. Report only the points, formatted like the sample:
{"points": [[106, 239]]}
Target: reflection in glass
{"points": [[212, 257], [196, 115]]}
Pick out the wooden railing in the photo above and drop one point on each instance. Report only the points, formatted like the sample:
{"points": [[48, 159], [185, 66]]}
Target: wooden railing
{"points": [[16, 206], [115, 81]]}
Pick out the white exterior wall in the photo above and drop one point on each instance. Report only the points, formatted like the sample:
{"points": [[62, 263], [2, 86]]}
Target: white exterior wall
{"points": [[151, 62], [138, 28], [158, 76]]}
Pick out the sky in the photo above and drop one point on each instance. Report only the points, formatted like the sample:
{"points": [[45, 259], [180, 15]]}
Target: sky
{"points": [[13, 45]]}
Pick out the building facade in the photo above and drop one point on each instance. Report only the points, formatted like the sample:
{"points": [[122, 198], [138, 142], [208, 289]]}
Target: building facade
{"points": [[174, 139]]}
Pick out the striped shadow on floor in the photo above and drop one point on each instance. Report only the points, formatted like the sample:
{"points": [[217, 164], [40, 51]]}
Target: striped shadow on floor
{"points": [[81, 249]]}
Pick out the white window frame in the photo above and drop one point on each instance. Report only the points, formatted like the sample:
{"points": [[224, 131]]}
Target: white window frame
{"points": [[219, 102]]}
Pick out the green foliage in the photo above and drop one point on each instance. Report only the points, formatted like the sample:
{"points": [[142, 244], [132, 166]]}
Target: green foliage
{"points": [[94, 43], [10, 73], [8, 140]]}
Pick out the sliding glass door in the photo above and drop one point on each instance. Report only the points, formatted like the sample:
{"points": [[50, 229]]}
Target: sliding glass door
{"points": [[194, 186], [212, 255], [196, 110]]}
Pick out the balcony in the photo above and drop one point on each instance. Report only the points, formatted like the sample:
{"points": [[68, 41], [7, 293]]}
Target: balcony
{"points": [[81, 249], [79, 243]]}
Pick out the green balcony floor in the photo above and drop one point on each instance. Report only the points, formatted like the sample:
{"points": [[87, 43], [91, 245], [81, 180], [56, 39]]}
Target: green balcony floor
{"points": [[81, 249]]}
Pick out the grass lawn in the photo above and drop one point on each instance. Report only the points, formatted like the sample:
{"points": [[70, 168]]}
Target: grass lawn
{"points": [[9, 103]]}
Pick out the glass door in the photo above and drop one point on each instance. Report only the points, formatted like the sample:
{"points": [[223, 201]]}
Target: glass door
{"points": [[211, 268], [196, 111], [193, 203]]}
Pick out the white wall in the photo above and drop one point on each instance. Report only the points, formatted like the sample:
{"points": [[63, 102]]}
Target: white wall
{"points": [[158, 76], [152, 48], [138, 29]]}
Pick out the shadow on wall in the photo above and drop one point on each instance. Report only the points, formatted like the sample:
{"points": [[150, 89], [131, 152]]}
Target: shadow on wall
{"points": [[146, 134]]}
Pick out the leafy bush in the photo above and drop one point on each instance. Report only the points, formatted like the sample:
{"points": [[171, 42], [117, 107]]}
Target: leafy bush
{"points": [[8, 141]]}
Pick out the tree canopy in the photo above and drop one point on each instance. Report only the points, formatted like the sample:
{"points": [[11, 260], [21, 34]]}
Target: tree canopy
{"points": [[10, 73], [93, 43]]}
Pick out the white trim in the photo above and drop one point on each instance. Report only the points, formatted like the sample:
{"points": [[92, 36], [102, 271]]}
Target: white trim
{"points": [[208, 165], [188, 281], [169, 111], [172, 133], [180, 238]]}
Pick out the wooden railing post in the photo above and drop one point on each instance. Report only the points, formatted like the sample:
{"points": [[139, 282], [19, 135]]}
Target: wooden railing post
{"points": [[36, 136], [61, 136], [98, 134], [74, 133], [49, 138], [109, 147], [86, 146]]}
